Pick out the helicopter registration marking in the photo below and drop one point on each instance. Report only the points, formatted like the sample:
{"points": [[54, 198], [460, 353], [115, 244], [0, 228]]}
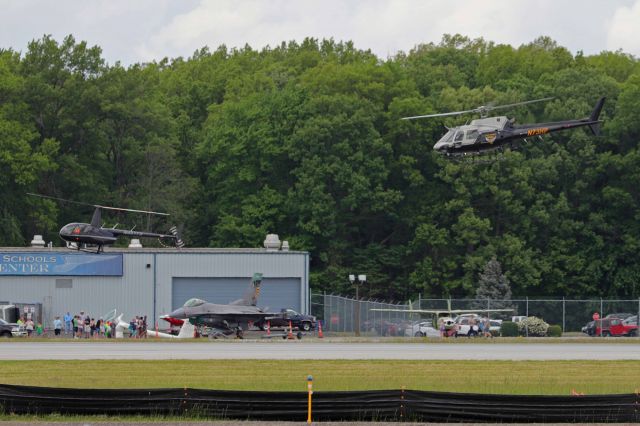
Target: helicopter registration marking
{"points": [[490, 137], [539, 131]]}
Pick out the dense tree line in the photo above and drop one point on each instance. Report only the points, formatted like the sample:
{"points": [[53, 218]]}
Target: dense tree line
{"points": [[304, 140]]}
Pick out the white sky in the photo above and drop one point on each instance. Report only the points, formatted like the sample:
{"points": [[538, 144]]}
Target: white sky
{"points": [[143, 30]]}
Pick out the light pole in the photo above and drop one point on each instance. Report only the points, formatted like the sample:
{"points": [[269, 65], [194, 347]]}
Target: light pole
{"points": [[357, 280]]}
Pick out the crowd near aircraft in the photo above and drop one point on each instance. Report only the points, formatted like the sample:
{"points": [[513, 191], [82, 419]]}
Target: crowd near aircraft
{"points": [[84, 236], [490, 133]]}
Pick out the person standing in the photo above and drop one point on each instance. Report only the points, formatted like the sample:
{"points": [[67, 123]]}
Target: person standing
{"points": [[68, 323], [29, 326], [57, 326], [74, 321], [87, 327]]}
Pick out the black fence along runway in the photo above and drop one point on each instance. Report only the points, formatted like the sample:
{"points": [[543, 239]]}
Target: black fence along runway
{"points": [[385, 405]]}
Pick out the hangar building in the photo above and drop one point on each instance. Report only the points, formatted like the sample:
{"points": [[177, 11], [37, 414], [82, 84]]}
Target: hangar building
{"points": [[149, 281]]}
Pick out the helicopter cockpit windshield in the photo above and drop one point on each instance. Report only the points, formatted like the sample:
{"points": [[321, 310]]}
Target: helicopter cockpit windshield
{"points": [[191, 303], [448, 137]]}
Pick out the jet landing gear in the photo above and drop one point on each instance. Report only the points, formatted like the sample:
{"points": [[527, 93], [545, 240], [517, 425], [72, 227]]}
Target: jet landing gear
{"points": [[239, 333]]}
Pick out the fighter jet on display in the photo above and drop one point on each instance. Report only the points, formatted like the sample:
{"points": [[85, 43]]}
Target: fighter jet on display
{"points": [[225, 319]]}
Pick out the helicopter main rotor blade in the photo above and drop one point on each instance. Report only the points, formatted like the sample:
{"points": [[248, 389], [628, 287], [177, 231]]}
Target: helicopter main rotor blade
{"points": [[488, 108], [60, 199], [130, 210], [444, 114], [97, 205], [482, 110]]}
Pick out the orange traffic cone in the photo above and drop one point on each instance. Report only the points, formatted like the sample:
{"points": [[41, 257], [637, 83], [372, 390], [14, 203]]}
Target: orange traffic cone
{"points": [[290, 334], [268, 328], [320, 335]]}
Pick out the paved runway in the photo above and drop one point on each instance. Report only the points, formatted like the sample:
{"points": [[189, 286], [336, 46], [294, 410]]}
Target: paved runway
{"points": [[316, 350]]}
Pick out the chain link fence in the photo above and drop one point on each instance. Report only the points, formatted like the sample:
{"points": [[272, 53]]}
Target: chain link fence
{"points": [[344, 314]]}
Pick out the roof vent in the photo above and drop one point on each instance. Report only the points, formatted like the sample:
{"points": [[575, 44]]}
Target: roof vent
{"points": [[135, 243], [272, 242], [37, 241], [285, 245]]}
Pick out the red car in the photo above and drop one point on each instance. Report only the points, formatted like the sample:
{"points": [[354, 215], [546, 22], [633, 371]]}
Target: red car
{"points": [[614, 327]]}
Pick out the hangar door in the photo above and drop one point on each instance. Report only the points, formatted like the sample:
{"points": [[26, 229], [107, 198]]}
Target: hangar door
{"points": [[275, 293]]}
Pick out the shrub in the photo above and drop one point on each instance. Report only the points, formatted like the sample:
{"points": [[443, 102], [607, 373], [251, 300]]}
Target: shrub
{"points": [[509, 329], [554, 331], [533, 326]]}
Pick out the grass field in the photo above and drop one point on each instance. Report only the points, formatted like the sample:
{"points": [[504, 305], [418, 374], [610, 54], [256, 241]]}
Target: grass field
{"points": [[504, 377]]}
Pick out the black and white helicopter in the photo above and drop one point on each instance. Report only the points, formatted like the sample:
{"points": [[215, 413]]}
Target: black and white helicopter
{"points": [[84, 236], [491, 133]]}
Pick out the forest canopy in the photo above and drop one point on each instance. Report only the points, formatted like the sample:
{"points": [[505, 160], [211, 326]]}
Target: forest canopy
{"points": [[305, 140]]}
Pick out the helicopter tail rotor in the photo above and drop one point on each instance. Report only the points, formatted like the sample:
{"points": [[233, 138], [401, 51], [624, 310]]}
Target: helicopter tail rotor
{"points": [[178, 240]]}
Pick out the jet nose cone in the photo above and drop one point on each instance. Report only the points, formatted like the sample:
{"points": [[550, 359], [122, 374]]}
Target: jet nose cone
{"points": [[178, 313]]}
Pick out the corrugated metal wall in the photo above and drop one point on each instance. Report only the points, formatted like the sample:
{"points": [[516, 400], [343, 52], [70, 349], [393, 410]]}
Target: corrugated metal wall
{"points": [[131, 294], [135, 292]]}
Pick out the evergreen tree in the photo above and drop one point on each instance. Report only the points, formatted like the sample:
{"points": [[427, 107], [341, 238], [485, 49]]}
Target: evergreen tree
{"points": [[493, 285]]}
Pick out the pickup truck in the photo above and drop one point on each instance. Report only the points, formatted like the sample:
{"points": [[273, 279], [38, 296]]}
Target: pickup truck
{"points": [[298, 321], [8, 329]]}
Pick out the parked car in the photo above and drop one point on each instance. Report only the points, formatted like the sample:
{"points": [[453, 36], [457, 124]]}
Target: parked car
{"points": [[464, 326], [494, 326], [467, 325], [8, 329], [298, 321], [422, 329], [628, 320], [614, 327], [590, 328]]}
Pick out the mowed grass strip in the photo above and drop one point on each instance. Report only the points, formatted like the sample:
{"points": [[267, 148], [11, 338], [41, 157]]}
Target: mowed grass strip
{"points": [[500, 377]]}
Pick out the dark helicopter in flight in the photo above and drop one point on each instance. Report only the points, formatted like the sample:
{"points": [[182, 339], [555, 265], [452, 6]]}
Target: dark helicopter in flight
{"points": [[490, 133], [82, 236]]}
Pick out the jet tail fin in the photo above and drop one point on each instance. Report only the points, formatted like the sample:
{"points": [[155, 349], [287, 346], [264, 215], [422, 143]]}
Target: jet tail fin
{"points": [[251, 297], [595, 114]]}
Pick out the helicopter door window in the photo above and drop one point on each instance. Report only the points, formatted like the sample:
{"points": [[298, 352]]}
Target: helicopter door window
{"points": [[459, 136], [472, 135]]}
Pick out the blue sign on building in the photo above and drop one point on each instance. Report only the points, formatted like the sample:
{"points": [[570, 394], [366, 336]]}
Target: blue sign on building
{"points": [[38, 263]]}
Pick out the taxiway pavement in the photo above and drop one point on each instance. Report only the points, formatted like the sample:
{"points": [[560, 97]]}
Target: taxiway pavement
{"points": [[288, 350]]}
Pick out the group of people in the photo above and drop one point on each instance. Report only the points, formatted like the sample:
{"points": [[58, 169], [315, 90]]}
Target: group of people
{"points": [[31, 327], [84, 326], [138, 327]]}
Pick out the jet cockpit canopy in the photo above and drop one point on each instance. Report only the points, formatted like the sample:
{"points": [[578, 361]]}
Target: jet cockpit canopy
{"points": [[191, 303]]}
